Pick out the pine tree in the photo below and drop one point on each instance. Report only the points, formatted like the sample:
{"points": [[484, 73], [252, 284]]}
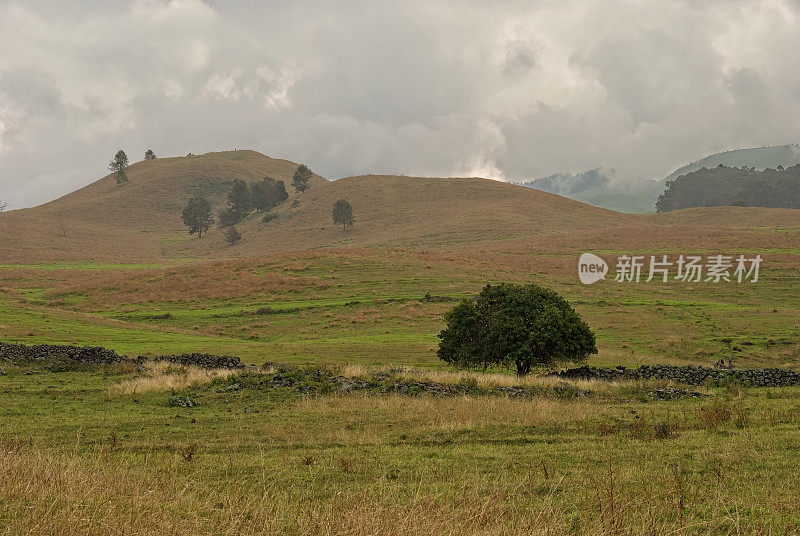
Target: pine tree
{"points": [[118, 166], [301, 178]]}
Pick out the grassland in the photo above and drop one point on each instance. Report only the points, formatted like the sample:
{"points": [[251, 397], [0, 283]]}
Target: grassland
{"points": [[102, 459], [102, 451], [370, 307]]}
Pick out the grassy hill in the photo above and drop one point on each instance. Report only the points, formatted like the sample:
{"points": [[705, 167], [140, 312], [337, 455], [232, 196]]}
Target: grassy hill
{"points": [[413, 212], [140, 220]]}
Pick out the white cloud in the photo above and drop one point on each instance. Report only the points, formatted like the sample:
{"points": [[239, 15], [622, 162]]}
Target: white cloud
{"points": [[505, 89]]}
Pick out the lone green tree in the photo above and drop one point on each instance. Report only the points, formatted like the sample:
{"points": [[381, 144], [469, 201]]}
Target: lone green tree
{"points": [[515, 325], [118, 165], [197, 216], [343, 213], [149, 155], [301, 178]]}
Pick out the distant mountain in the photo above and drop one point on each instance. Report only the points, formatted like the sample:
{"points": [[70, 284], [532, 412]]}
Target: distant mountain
{"points": [[596, 187], [726, 186], [760, 158], [566, 184]]}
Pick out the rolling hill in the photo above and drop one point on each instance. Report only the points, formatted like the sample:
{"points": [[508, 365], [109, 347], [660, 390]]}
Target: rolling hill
{"points": [[140, 220]]}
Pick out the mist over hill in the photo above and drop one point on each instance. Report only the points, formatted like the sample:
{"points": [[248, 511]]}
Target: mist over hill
{"points": [[598, 187]]}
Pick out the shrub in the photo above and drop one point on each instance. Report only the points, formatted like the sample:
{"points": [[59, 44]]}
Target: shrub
{"points": [[515, 325], [232, 235], [714, 414]]}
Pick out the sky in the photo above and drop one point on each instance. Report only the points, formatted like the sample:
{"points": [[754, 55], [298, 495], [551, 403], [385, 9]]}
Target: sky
{"points": [[509, 90]]}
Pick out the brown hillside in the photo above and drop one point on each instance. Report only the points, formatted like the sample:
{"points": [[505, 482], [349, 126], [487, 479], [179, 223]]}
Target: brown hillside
{"points": [[140, 220], [729, 217], [400, 211], [135, 221]]}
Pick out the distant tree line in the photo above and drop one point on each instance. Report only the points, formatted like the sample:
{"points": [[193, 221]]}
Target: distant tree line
{"points": [[726, 186]]}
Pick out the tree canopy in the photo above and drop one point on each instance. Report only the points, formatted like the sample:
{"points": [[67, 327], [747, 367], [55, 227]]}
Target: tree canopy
{"points": [[197, 216], [239, 204], [343, 213], [149, 155], [726, 186], [523, 326], [267, 193], [301, 178], [118, 165]]}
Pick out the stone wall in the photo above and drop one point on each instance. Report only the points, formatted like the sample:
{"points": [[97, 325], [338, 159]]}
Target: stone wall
{"points": [[51, 353], [96, 355], [689, 375], [202, 360]]}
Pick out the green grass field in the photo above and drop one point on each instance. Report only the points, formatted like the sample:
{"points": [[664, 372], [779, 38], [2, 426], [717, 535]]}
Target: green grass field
{"points": [[104, 451], [108, 455], [371, 308]]}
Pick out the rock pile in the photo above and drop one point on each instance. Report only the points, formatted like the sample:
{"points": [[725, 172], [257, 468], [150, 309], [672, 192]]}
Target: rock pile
{"points": [[688, 374]]}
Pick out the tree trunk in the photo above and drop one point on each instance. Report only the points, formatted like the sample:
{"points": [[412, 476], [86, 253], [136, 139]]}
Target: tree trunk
{"points": [[523, 367]]}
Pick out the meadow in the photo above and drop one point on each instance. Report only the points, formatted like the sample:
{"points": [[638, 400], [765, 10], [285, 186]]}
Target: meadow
{"points": [[119, 450], [382, 307], [109, 454]]}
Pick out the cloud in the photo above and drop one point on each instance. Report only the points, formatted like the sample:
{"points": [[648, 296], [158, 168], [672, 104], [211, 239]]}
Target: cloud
{"points": [[510, 90]]}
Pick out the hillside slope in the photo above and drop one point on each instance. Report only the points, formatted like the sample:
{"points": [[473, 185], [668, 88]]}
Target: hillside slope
{"points": [[140, 220], [413, 212], [135, 221]]}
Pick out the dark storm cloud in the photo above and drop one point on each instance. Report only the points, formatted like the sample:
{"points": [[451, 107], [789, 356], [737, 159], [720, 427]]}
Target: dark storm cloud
{"points": [[505, 90]]}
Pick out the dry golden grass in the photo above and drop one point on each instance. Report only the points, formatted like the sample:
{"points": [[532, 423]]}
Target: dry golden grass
{"points": [[195, 282], [332, 469], [164, 376], [480, 379]]}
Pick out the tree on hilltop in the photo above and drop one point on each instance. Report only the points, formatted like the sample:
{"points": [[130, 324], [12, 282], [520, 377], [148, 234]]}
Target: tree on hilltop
{"points": [[149, 155], [515, 325], [197, 216], [301, 178], [343, 213], [3, 205], [118, 165]]}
